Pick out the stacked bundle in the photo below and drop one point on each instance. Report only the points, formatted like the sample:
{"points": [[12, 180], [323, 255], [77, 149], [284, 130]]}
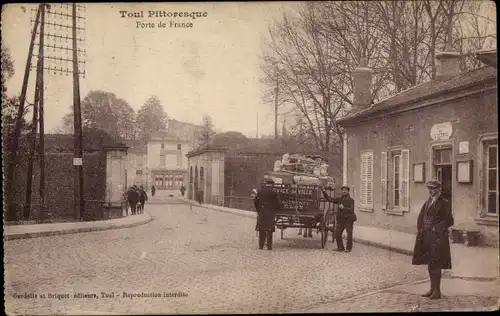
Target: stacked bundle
{"points": [[305, 170]]}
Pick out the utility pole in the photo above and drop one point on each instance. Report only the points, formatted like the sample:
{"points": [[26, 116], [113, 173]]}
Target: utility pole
{"points": [[19, 119], [276, 109], [78, 137], [41, 147], [33, 134]]}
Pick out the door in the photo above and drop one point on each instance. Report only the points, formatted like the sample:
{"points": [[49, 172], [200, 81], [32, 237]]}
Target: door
{"points": [[443, 168], [444, 176]]}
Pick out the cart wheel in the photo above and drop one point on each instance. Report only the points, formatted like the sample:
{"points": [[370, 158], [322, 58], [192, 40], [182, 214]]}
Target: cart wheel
{"points": [[282, 233], [324, 237]]}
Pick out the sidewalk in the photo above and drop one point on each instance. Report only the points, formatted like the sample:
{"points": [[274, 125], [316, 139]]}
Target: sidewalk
{"points": [[42, 230], [474, 263]]}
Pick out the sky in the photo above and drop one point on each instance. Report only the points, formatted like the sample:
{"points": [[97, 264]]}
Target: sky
{"points": [[211, 68]]}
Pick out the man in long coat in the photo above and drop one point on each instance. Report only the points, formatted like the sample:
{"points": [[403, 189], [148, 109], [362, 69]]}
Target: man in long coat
{"points": [[133, 198], [345, 218], [266, 203], [432, 246]]}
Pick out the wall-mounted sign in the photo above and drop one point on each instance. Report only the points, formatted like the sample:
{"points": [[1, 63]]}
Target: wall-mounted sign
{"points": [[77, 161], [441, 131], [463, 148]]}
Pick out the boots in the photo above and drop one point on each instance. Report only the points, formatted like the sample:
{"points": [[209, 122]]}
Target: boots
{"points": [[269, 241], [435, 291], [433, 283], [436, 294], [262, 239]]}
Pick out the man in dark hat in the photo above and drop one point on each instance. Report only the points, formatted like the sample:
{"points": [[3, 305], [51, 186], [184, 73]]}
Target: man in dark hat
{"points": [[345, 218], [432, 246], [266, 203], [133, 198]]}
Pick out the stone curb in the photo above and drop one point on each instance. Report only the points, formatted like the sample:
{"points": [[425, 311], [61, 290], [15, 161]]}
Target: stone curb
{"points": [[383, 246], [358, 240], [355, 239], [74, 230]]}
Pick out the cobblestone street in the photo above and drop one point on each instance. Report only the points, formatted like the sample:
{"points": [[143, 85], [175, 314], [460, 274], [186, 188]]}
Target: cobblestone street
{"points": [[210, 256]]}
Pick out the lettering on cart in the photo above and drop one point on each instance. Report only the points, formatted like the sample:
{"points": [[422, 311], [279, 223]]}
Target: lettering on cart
{"points": [[293, 204], [301, 191]]}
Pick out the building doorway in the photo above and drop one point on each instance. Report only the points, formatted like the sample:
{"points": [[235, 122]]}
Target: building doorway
{"points": [[443, 170]]}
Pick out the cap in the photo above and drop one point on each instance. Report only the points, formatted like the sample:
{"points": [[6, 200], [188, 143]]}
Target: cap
{"points": [[345, 187], [433, 184]]}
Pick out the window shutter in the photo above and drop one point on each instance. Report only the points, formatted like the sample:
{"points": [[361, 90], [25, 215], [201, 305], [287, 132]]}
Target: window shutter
{"points": [[405, 180], [363, 180], [369, 180], [383, 179]]}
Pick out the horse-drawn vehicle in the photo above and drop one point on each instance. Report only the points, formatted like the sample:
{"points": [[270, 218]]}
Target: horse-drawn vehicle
{"points": [[299, 183]]}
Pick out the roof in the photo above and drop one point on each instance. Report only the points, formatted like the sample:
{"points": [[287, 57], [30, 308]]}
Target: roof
{"points": [[252, 145], [427, 90], [137, 146], [93, 140], [488, 57]]}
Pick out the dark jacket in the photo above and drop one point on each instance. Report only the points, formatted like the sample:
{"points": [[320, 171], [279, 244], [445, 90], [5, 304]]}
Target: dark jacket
{"points": [[266, 203], [143, 196], [432, 245], [347, 213], [133, 196]]}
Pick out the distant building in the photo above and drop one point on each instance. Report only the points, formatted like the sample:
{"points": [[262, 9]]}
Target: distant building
{"points": [[226, 176], [446, 128], [162, 160]]}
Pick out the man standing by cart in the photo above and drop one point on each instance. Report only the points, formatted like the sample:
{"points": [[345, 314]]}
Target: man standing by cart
{"points": [[345, 218], [266, 203]]}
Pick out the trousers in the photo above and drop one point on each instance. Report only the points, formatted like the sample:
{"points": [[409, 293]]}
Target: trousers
{"points": [[339, 229], [265, 236]]}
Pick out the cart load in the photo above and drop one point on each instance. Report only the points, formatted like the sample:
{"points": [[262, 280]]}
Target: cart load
{"points": [[299, 181]]}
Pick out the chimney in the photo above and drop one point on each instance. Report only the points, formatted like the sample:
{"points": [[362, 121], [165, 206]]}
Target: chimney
{"points": [[447, 64], [362, 77]]}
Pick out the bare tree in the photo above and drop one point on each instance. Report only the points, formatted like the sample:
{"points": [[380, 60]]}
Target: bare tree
{"points": [[298, 59], [311, 53]]}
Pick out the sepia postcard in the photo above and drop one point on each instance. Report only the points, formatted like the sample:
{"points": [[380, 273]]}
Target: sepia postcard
{"points": [[250, 157]]}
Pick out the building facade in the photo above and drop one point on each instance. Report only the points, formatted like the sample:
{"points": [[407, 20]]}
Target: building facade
{"points": [[162, 160], [445, 129]]}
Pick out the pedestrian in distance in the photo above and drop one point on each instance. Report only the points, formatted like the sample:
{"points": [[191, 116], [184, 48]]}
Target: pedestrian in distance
{"points": [[432, 245], [266, 203], [153, 190], [183, 189], [345, 218]]}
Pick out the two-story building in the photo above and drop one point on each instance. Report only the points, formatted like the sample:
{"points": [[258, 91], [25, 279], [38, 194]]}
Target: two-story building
{"points": [[445, 129], [162, 160]]}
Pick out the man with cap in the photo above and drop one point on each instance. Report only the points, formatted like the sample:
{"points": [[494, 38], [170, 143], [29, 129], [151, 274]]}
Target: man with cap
{"points": [[345, 218], [266, 203], [432, 246]]}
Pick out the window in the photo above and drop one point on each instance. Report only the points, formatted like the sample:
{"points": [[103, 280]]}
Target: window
{"points": [[162, 160], [162, 145], [491, 177], [179, 147], [396, 159], [395, 180], [367, 180]]}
